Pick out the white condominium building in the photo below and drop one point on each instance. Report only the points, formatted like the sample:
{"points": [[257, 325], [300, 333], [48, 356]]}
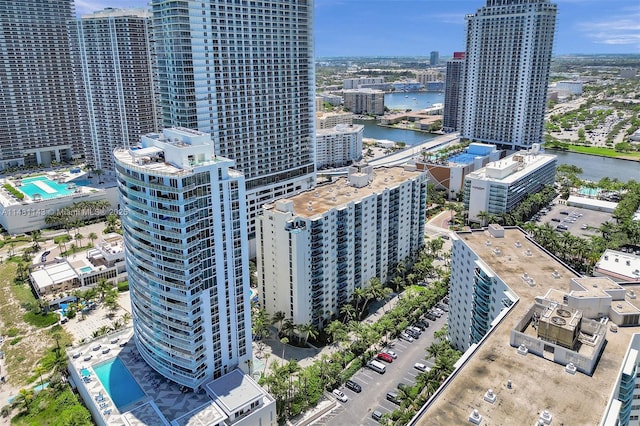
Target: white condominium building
{"points": [[316, 248], [542, 344], [501, 185], [243, 71], [339, 146], [504, 98], [355, 83], [184, 226], [113, 60], [38, 109]]}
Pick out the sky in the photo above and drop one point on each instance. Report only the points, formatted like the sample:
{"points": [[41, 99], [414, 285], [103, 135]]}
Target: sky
{"points": [[417, 27]]}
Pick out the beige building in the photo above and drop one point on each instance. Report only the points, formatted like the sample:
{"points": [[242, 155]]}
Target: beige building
{"points": [[364, 101], [339, 146], [329, 120]]}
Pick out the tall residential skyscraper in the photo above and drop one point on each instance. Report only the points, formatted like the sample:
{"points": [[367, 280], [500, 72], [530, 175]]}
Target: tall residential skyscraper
{"points": [[509, 44], [184, 232], [243, 71], [38, 110], [434, 58], [113, 63], [453, 81]]}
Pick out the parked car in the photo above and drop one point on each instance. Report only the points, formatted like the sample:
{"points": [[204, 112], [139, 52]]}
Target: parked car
{"points": [[422, 323], [350, 384], [376, 415], [391, 353], [556, 219], [403, 386], [340, 396], [405, 336], [431, 316], [420, 366], [393, 397], [418, 326], [385, 357], [416, 329], [412, 333]]}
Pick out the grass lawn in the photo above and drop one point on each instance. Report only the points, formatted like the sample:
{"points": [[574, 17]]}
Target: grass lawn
{"points": [[29, 342], [604, 152]]}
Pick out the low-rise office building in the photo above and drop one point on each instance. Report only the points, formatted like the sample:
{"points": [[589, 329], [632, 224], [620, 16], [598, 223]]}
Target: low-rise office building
{"points": [[620, 266], [501, 185], [316, 248]]}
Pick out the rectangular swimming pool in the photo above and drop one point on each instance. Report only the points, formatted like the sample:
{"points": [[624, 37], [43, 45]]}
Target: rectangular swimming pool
{"points": [[118, 382], [43, 186]]}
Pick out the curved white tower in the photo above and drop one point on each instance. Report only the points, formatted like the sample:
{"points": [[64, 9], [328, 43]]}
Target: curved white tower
{"points": [[185, 237]]}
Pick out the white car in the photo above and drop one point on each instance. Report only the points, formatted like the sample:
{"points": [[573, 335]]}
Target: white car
{"points": [[405, 336], [391, 353], [340, 396], [420, 366]]}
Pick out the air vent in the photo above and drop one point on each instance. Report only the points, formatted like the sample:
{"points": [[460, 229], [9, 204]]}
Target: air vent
{"points": [[559, 321], [555, 274], [564, 313], [545, 417], [631, 293], [570, 368], [527, 252], [488, 243], [490, 396], [517, 244], [475, 417], [522, 349]]}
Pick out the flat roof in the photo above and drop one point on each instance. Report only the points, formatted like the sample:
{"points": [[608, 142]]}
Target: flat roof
{"points": [[235, 390], [339, 192], [621, 266], [537, 383], [574, 199], [512, 168], [53, 274]]}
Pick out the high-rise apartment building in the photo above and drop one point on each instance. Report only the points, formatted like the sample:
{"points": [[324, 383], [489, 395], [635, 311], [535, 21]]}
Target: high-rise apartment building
{"points": [[453, 82], [243, 72], [339, 146], [38, 111], [509, 46], [184, 232], [364, 101], [316, 248], [113, 62], [434, 58]]}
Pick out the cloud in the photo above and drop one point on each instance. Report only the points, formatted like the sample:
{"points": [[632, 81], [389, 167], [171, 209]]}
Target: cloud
{"points": [[614, 30]]}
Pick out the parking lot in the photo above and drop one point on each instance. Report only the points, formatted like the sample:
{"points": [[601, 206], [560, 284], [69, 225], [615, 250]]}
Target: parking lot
{"points": [[576, 220], [358, 409]]}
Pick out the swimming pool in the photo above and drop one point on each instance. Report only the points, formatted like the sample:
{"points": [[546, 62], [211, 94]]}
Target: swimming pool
{"points": [[591, 192], [86, 269], [44, 186], [118, 382]]}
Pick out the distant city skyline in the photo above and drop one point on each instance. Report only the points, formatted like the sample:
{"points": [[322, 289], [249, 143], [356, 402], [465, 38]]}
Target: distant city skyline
{"points": [[397, 27]]}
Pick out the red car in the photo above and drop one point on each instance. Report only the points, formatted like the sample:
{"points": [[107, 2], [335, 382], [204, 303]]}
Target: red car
{"points": [[385, 357]]}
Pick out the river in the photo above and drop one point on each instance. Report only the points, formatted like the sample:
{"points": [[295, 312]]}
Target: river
{"points": [[593, 167]]}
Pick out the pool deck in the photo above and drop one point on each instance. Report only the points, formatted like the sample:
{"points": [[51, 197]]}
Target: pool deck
{"points": [[164, 401]]}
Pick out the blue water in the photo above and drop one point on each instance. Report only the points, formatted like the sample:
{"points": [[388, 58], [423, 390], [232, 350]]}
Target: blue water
{"points": [[29, 188], [85, 372], [86, 269], [410, 137], [462, 158], [591, 192], [120, 385], [412, 100]]}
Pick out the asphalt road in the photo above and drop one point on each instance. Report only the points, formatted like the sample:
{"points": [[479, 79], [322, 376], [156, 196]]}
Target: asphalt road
{"points": [[357, 410]]}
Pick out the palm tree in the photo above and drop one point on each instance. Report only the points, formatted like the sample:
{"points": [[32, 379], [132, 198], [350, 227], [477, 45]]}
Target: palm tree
{"points": [[308, 330], [23, 399], [483, 216], [78, 237], [338, 331], [278, 317], [348, 312], [358, 294], [284, 342], [288, 327], [35, 236], [92, 237]]}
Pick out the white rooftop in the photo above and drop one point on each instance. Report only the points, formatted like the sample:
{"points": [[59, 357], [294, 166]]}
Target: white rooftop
{"points": [[620, 266], [235, 390], [53, 274], [513, 167]]}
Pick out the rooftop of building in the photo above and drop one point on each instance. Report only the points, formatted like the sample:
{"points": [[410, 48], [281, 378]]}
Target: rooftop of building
{"points": [[364, 91], [537, 383], [174, 152], [111, 12], [621, 266], [234, 390], [339, 192], [340, 129], [512, 167]]}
